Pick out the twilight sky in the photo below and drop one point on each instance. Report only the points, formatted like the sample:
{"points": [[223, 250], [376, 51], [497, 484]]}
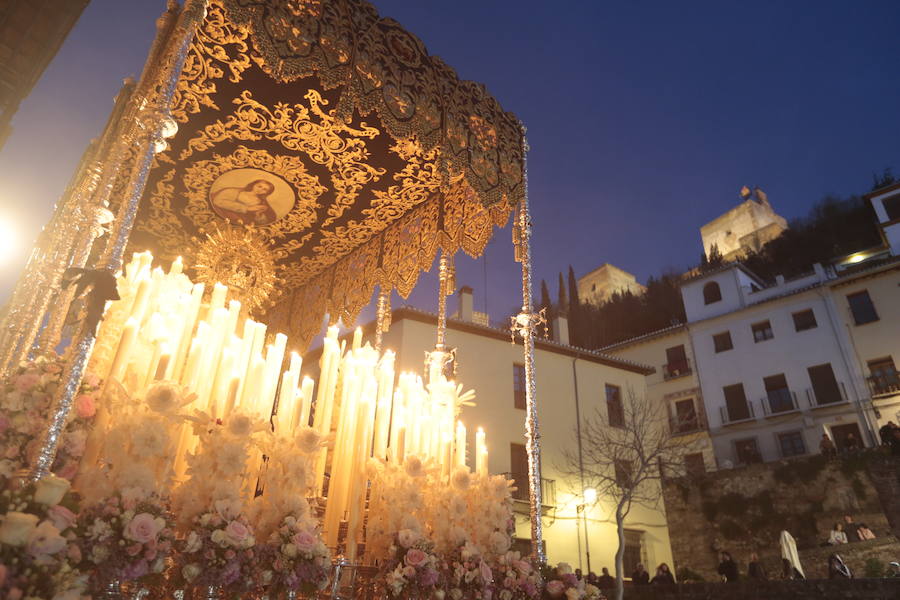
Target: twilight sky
{"points": [[644, 118]]}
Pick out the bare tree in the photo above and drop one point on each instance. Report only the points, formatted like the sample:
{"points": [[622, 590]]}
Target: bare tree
{"points": [[624, 450]]}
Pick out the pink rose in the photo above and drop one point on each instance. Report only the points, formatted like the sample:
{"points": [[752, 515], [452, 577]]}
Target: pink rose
{"points": [[26, 381], [143, 528], [237, 533], [555, 588], [4, 423], [91, 380], [486, 574], [85, 406], [304, 541], [522, 566], [61, 517], [74, 553], [414, 557], [133, 550]]}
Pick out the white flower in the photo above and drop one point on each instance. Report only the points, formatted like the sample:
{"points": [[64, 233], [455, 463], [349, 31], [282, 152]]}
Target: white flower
{"points": [[309, 440], [150, 440], [164, 397], [17, 527], [191, 571], [407, 537], [193, 543], [499, 542], [231, 458], [50, 489], [414, 467], [240, 425], [228, 508], [461, 479], [218, 537], [458, 536], [138, 476], [457, 506], [572, 594], [289, 550], [564, 568]]}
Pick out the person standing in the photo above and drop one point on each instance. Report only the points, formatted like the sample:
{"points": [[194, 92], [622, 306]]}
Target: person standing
{"points": [[640, 576], [663, 576], [851, 529], [728, 568], [605, 581], [755, 569], [826, 446]]}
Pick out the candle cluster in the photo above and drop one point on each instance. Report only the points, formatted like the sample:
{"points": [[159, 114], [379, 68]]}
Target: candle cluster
{"points": [[165, 328]]}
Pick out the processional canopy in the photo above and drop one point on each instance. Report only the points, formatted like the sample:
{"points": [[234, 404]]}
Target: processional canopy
{"points": [[321, 152]]}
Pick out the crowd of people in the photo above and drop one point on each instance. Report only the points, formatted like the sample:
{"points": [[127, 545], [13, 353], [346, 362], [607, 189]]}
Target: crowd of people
{"points": [[639, 576], [889, 433], [848, 531]]}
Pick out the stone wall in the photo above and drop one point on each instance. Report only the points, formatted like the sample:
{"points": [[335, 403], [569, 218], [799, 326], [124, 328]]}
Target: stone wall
{"points": [[854, 589], [744, 510]]}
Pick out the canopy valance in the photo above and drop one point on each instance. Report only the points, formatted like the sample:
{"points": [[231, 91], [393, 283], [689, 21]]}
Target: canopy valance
{"points": [[324, 138]]}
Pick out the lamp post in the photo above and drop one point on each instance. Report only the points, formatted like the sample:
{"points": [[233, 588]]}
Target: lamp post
{"points": [[588, 498]]}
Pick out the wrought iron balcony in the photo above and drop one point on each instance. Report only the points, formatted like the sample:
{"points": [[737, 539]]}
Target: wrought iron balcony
{"points": [[884, 384], [832, 399], [680, 426], [520, 494], [675, 369], [779, 402], [739, 416]]}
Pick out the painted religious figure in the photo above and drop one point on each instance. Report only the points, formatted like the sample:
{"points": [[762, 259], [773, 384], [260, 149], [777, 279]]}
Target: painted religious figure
{"points": [[251, 197]]}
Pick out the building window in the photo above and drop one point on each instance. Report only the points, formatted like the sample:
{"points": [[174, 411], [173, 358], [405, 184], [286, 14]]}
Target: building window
{"points": [[623, 472], [634, 551], [711, 293], [694, 465], [778, 396], [791, 444], [862, 308], [746, 451], [519, 386], [825, 388], [762, 331], [686, 416], [883, 378], [892, 207], [676, 363], [722, 341], [805, 319], [614, 409], [736, 402]]}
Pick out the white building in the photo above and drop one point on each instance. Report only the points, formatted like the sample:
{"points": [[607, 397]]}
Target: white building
{"points": [[571, 383], [886, 202]]}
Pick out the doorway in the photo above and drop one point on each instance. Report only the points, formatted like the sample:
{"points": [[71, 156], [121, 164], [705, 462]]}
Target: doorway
{"points": [[841, 433]]}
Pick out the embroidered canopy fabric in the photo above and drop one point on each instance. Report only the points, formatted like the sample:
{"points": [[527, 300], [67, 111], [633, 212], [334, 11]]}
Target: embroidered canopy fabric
{"points": [[327, 134]]}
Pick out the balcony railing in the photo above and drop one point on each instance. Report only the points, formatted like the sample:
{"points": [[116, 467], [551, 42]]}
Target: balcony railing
{"points": [[779, 402], [739, 417], [682, 426], [678, 368], [830, 400], [884, 383], [521, 493]]}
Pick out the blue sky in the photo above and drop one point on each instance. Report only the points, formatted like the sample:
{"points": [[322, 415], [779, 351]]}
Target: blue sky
{"points": [[645, 118]]}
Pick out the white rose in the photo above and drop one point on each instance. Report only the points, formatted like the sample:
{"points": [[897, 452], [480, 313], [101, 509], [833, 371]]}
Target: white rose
{"points": [[164, 397], [572, 594], [564, 568], [17, 527], [218, 537], [191, 571], [50, 489], [193, 543], [289, 550]]}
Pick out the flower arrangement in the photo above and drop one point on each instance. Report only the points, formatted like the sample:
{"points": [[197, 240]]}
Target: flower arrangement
{"points": [[38, 550], [412, 572], [467, 575], [295, 558], [218, 550], [561, 582], [25, 398], [516, 579], [125, 537]]}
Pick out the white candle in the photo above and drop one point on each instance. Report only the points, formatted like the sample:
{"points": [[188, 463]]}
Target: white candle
{"points": [[190, 319], [301, 418], [129, 333], [480, 453], [217, 298], [460, 444], [177, 267], [357, 339]]}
